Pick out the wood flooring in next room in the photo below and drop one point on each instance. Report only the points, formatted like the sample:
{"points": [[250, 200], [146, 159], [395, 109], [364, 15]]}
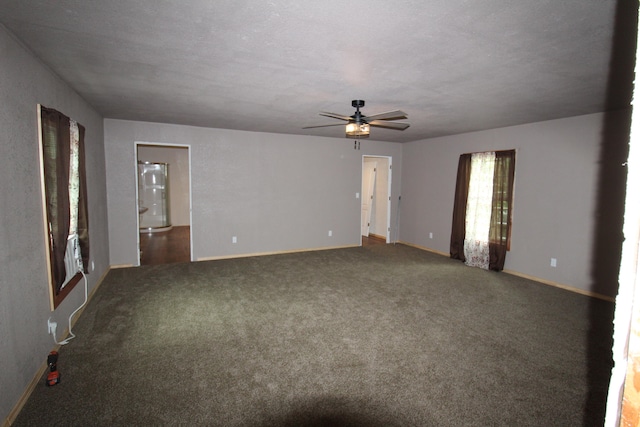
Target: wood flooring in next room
{"points": [[372, 239], [174, 246], [165, 247]]}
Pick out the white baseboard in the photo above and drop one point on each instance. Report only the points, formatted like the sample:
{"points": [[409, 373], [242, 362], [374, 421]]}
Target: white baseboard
{"points": [[292, 251], [529, 277], [13, 414]]}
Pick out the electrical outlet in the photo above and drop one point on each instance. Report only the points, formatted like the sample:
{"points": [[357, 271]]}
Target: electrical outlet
{"points": [[554, 262], [330, 233], [431, 235], [234, 239], [51, 325]]}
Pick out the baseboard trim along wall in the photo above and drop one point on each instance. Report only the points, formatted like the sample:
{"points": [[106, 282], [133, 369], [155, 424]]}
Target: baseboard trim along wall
{"points": [[292, 251], [562, 286], [116, 266], [526, 276], [423, 248], [40, 372], [27, 392]]}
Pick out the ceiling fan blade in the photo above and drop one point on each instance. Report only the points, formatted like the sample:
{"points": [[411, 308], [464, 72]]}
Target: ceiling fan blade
{"points": [[335, 116], [389, 125], [323, 126], [389, 115]]}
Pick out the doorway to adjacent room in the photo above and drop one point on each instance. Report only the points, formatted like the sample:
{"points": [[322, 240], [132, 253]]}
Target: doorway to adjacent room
{"points": [[375, 224], [163, 192]]}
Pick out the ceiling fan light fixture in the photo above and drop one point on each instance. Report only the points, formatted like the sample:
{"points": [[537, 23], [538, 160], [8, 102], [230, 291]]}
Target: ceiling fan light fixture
{"points": [[357, 130]]}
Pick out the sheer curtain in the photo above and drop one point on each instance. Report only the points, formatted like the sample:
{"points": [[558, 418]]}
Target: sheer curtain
{"points": [[478, 216], [78, 219]]}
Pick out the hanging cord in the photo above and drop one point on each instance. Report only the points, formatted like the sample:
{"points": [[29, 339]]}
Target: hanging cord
{"points": [[71, 334]]}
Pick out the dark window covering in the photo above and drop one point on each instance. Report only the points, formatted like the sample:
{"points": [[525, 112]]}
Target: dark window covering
{"points": [[500, 228], [83, 212], [56, 152], [501, 208], [460, 208]]}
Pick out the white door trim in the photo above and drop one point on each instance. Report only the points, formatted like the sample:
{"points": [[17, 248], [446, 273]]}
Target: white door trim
{"points": [[389, 179], [135, 156]]}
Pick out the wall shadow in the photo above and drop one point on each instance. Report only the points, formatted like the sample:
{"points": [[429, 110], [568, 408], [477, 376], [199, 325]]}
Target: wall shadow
{"points": [[609, 213]]}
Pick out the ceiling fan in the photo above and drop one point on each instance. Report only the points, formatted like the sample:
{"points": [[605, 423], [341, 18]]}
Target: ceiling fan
{"points": [[358, 124]]}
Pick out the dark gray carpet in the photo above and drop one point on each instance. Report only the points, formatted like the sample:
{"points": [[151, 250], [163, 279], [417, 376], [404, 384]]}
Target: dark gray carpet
{"points": [[372, 336]]}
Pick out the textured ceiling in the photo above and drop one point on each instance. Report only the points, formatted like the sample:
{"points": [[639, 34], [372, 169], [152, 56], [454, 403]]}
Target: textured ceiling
{"points": [[271, 66]]}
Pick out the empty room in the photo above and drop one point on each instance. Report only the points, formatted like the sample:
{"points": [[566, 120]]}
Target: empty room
{"points": [[319, 213]]}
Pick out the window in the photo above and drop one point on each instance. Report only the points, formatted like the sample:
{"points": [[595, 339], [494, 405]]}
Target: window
{"points": [[64, 196], [501, 213], [481, 230]]}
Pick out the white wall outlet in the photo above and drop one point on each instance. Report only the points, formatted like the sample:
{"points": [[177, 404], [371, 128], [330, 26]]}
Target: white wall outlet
{"points": [[330, 233], [93, 266], [51, 326], [357, 195], [234, 239], [431, 235], [554, 262]]}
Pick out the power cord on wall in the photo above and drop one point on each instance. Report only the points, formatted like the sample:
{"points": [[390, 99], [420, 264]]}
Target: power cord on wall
{"points": [[71, 334]]}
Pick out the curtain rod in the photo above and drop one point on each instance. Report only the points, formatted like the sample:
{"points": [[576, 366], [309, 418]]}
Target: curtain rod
{"points": [[490, 151]]}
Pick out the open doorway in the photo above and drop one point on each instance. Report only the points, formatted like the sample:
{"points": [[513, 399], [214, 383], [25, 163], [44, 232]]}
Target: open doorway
{"points": [[163, 191], [375, 224]]}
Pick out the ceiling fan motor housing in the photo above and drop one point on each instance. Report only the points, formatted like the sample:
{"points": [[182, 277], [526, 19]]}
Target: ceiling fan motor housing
{"points": [[358, 127], [357, 116]]}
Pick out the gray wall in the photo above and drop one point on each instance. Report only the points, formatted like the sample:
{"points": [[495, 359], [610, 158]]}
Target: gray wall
{"points": [[557, 166], [24, 295], [273, 192]]}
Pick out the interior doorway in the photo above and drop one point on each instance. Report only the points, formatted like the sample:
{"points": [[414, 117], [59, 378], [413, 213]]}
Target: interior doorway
{"points": [[375, 223], [163, 192]]}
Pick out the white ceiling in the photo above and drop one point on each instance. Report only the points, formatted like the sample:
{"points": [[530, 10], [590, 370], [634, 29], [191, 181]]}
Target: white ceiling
{"points": [[452, 65]]}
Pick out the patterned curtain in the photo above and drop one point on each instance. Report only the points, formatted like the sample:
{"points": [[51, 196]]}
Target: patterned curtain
{"points": [[83, 210], [478, 217], [65, 189]]}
